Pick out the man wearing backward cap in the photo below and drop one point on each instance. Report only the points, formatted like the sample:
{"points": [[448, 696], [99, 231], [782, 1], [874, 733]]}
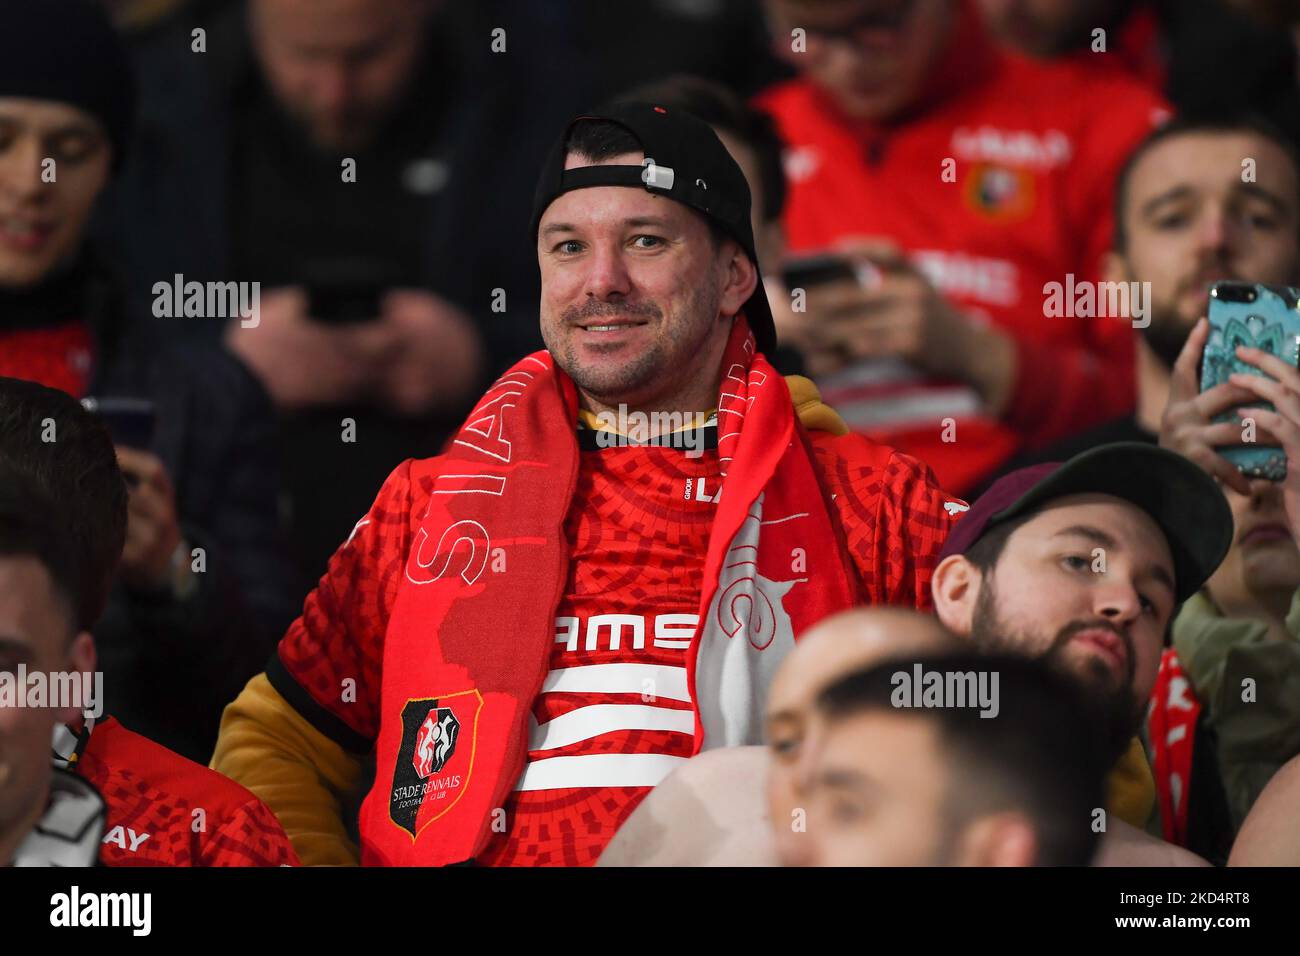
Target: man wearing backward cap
{"points": [[599, 576]]}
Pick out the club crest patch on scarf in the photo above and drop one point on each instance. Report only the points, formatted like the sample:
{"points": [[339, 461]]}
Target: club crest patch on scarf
{"points": [[435, 758]]}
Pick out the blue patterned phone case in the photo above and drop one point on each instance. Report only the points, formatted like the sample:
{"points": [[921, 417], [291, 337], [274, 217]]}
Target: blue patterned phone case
{"points": [[1258, 316]]}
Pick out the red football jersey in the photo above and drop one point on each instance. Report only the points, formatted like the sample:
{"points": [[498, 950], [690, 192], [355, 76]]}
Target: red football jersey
{"points": [[638, 528], [999, 184], [60, 357], [165, 810]]}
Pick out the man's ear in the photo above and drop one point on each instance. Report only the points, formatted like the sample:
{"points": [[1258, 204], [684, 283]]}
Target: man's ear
{"points": [[1003, 839], [955, 588], [81, 659], [1114, 267], [741, 279]]}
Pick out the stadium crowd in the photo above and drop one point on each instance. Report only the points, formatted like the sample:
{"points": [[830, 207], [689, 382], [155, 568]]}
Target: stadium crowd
{"points": [[719, 432]]}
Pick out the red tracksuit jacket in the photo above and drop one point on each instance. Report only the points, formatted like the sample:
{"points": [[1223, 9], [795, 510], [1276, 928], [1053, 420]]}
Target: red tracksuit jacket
{"points": [[1037, 147], [165, 810]]}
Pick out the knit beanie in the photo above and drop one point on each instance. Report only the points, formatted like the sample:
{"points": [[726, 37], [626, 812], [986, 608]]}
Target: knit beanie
{"points": [[68, 51]]}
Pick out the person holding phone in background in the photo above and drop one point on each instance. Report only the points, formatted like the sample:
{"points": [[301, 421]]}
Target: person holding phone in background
{"points": [[360, 159], [961, 179], [180, 635], [1186, 217]]}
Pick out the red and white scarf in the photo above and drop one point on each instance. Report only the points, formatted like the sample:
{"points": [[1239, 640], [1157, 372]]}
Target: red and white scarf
{"points": [[1171, 729]]}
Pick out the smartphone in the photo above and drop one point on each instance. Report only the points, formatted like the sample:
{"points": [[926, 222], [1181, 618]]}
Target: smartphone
{"points": [[817, 270], [345, 291], [131, 421], [1258, 316]]}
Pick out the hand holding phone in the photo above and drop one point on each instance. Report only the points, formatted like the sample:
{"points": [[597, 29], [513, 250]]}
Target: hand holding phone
{"points": [[1186, 426], [1279, 387], [153, 530], [808, 271], [1266, 320]]}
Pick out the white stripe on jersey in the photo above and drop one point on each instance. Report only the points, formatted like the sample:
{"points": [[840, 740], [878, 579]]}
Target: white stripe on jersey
{"points": [[598, 770], [583, 723], [647, 679]]}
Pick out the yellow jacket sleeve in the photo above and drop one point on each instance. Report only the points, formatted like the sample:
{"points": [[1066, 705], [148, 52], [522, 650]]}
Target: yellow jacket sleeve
{"points": [[268, 747], [1130, 787]]}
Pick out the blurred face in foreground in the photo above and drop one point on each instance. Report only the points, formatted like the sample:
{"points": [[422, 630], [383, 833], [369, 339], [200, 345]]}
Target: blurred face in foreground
{"points": [[834, 648], [36, 630], [878, 794], [887, 790], [42, 221]]}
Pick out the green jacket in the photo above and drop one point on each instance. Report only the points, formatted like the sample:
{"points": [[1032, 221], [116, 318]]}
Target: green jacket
{"points": [[1219, 656]]}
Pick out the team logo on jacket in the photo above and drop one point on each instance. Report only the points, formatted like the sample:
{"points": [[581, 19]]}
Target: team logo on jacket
{"points": [[432, 767], [1000, 192]]}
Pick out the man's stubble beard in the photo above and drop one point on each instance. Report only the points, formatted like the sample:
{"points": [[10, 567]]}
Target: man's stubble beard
{"points": [[1166, 334], [1114, 705], [656, 359]]}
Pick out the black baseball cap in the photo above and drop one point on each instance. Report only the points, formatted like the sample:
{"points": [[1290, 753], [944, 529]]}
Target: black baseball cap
{"points": [[685, 161], [1181, 499]]}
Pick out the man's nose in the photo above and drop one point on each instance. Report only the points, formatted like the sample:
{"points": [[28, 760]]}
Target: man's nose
{"points": [[1215, 233], [1116, 599], [607, 274], [1264, 493], [801, 778], [804, 766], [332, 87]]}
